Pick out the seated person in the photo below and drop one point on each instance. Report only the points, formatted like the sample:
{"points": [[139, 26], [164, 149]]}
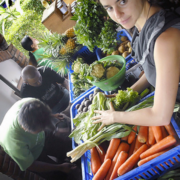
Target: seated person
{"points": [[36, 54], [24, 139], [42, 83]]}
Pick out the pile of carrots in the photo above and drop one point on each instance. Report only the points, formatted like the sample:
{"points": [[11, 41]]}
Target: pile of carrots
{"points": [[134, 150]]}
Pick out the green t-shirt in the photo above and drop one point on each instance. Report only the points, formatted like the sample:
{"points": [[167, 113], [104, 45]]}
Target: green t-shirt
{"points": [[38, 55], [23, 147]]}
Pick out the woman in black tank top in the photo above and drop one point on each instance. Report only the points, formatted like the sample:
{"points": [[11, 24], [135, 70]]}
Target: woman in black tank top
{"points": [[156, 46]]}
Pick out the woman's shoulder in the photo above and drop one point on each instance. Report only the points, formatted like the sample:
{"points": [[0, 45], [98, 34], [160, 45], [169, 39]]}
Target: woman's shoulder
{"points": [[167, 45], [171, 35]]}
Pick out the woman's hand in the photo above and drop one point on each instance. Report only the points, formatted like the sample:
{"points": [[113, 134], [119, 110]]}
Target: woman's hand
{"points": [[106, 117]]}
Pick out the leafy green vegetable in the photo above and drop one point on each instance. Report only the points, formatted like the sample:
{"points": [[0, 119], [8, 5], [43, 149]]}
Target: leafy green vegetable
{"points": [[100, 102], [80, 86], [92, 27], [113, 63], [107, 37], [78, 77], [123, 97], [106, 134]]}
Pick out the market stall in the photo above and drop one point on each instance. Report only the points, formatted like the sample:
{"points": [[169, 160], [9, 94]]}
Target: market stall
{"points": [[102, 66]]}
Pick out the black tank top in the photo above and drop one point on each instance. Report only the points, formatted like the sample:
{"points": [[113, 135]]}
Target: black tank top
{"points": [[143, 42]]}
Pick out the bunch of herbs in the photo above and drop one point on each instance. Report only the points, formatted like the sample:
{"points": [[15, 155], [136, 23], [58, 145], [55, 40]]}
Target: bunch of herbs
{"points": [[92, 27]]}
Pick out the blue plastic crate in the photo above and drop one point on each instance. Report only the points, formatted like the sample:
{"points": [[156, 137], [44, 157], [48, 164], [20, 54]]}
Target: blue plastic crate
{"points": [[151, 170], [86, 54], [131, 62], [120, 33]]}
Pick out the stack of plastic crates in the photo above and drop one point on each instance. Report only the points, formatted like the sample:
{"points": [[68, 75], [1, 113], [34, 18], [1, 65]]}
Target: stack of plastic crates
{"points": [[150, 170], [89, 57]]}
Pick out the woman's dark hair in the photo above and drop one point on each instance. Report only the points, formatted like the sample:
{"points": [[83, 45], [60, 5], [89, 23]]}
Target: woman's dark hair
{"points": [[26, 43], [166, 4], [34, 116]]}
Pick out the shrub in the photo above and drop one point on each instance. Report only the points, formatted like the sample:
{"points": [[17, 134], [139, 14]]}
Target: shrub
{"points": [[27, 24], [34, 5]]}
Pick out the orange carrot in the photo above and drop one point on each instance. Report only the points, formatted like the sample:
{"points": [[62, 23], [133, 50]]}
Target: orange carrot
{"points": [[122, 147], [147, 159], [147, 142], [132, 160], [124, 138], [143, 134], [171, 131], [131, 150], [113, 146], [121, 159], [165, 143], [157, 133], [137, 145], [151, 136], [95, 160], [101, 153], [101, 173], [132, 135], [113, 163], [164, 132]]}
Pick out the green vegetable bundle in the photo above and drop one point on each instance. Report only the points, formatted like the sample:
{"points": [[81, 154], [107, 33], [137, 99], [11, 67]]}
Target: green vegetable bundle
{"points": [[78, 77], [93, 26]]}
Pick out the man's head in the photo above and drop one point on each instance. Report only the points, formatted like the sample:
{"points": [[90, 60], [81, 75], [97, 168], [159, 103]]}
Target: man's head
{"points": [[34, 116], [31, 76]]}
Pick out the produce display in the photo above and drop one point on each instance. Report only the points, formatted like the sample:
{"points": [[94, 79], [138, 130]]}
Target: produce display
{"points": [[122, 48], [136, 149], [78, 77], [93, 26], [85, 74], [128, 146], [60, 48], [88, 132]]}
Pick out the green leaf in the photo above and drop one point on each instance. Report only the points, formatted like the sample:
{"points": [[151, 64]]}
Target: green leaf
{"points": [[17, 13], [3, 26], [2, 10]]}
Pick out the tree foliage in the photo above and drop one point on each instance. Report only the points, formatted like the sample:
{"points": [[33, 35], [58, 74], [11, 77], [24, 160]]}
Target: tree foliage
{"points": [[29, 23]]}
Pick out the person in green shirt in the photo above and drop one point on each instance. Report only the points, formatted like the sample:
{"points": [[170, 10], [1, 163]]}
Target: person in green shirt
{"points": [[36, 54], [25, 140]]}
